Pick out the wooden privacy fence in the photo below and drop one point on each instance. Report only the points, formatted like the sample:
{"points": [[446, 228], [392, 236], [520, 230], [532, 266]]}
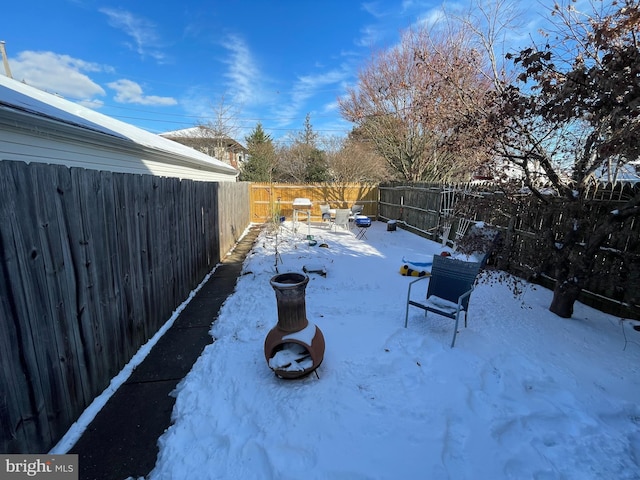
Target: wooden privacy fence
{"points": [[270, 200], [612, 285], [418, 207], [425, 208], [93, 263]]}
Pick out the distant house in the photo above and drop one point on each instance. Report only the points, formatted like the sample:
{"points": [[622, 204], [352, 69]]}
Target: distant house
{"points": [[36, 126], [207, 141]]}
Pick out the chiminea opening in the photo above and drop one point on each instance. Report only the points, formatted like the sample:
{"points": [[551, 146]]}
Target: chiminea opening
{"points": [[294, 347]]}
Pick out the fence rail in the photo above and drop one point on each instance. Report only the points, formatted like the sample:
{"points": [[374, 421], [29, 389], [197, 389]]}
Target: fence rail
{"points": [[93, 263], [424, 208]]}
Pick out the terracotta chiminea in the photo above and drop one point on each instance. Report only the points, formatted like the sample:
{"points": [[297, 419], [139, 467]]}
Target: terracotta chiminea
{"points": [[294, 347]]}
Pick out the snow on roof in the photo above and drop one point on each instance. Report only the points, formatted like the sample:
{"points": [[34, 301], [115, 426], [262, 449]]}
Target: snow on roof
{"points": [[197, 131], [15, 95], [625, 173], [200, 131]]}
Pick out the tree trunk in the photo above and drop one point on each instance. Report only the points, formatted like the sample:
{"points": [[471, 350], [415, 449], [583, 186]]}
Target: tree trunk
{"points": [[565, 295]]}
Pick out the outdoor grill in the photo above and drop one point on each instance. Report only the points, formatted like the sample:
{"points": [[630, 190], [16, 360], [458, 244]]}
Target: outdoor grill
{"points": [[302, 206]]}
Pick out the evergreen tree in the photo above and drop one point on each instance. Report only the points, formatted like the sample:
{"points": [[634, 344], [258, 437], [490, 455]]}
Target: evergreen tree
{"points": [[261, 162], [316, 166], [308, 136]]}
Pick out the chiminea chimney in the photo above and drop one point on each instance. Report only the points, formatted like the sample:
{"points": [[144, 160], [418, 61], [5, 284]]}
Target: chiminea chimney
{"points": [[294, 347]]}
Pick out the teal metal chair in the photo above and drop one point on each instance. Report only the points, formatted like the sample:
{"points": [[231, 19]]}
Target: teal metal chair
{"points": [[450, 285]]}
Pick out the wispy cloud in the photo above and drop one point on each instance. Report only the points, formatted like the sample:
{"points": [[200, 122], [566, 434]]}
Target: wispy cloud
{"points": [[128, 91], [146, 41], [413, 5], [371, 33], [373, 8], [242, 72], [431, 17], [305, 88], [369, 36], [60, 74]]}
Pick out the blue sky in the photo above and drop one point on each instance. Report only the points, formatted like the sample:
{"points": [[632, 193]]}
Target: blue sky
{"points": [[169, 65]]}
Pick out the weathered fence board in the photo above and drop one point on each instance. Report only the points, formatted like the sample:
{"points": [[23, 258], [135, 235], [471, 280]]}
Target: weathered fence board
{"points": [[416, 207], [237, 198], [93, 263]]}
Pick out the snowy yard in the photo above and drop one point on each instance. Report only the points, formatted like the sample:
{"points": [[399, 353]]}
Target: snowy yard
{"points": [[524, 394]]}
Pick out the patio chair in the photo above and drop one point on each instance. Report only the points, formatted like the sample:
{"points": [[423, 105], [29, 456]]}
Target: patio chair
{"points": [[356, 210], [342, 218], [450, 286], [325, 210]]}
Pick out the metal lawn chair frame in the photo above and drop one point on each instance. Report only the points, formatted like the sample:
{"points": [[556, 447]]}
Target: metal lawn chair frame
{"points": [[450, 286]]}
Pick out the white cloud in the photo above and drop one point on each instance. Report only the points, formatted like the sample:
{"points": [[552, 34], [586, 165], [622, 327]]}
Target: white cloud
{"points": [[128, 91], [431, 17], [94, 104], [331, 107], [59, 74], [417, 5], [369, 35], [373, 8], [142, 31], [242, 73], [306, 88]]}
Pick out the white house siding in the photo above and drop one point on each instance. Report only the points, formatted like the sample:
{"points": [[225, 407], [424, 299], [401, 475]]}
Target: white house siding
{"points": [[42, 149], [38, 127]]}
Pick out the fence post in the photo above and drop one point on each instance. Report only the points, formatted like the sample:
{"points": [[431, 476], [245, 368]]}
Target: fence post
{"points": [[503, 260]]}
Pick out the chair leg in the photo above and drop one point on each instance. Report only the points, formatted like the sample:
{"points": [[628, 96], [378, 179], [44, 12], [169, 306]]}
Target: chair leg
{"points": [[406, 313], [455, 330]]}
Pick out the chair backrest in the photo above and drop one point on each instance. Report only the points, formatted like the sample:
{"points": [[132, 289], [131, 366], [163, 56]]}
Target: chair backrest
{"points": [[356, 209], [480, 241], [450, 278], [342, 217], [325, 208]]}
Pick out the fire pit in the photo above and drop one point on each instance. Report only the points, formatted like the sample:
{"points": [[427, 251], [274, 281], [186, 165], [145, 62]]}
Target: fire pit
{"points": [[294, 347]]}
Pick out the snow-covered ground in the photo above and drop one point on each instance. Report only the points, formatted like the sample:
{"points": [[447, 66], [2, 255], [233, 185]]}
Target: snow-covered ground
{"points": [[523, 395]]}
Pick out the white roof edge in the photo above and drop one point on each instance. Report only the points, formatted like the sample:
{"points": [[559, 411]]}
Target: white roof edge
{"points": [[32, 100], [195, 131], [183, 131]]}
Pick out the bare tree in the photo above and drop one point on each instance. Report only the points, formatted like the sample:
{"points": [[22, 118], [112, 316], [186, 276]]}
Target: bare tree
{"points": [[224, 121], [300, 160], [350, 160], [220, 134], [572, 115], [291, 163], [408, 102]]}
